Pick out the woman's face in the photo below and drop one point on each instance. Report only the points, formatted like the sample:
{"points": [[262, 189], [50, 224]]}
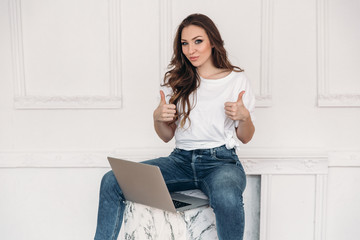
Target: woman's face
{"points": [[196, 46]]}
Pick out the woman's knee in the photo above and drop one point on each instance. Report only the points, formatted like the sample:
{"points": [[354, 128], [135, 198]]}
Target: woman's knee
{"points": [[108, 179], [229, 197], [226, 189], [228, 179], [109, 183]]}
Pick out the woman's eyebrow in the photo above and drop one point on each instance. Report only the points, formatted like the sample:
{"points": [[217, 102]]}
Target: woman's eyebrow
{"points": [[191, 39]]}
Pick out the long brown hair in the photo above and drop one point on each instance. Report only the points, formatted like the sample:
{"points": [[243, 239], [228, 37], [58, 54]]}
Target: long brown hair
{"points": [[182, 76]]}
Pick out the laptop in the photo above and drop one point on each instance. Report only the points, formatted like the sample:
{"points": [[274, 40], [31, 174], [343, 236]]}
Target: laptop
{"points": [[144, 184]]}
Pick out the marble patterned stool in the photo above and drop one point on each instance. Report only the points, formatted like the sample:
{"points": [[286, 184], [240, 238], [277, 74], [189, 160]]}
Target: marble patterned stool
{"points": [[147, 223]]}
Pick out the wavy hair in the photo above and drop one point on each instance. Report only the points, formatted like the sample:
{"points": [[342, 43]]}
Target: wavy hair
{"points": [[183, 77]]}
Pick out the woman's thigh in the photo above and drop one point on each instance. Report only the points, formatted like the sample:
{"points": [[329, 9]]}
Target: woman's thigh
{"points": [[226, 183], [177, 176]]}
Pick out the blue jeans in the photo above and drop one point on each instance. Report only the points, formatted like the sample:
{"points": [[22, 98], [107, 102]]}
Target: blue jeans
{"points": [[216, 171]]}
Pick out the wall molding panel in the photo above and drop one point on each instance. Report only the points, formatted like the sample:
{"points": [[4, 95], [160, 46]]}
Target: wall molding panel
{"points": [[338, 100], [254, 163], [320, 206], [344, 159], [23, 100], [264, 99], [74, 159], [319, 211], [286, 165], [265, 203], [325, 97], [17, 46], [165, 35], [65, 102]]}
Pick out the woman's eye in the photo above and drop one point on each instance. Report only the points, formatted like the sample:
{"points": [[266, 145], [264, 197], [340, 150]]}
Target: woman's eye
{"points": [[198, 41], [184, 43]]}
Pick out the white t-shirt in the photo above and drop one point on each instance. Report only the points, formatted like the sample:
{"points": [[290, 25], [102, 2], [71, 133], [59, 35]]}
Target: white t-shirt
{"points": [[210, 127]]}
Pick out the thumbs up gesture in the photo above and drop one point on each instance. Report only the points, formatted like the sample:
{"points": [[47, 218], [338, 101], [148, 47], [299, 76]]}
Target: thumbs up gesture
{"points": [[164, 112], [237, 110]]}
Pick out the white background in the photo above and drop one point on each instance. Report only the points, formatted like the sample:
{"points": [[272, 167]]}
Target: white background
{"points": [[79, 81]]}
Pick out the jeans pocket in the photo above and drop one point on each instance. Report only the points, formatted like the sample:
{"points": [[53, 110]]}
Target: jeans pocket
{"points": [[239, 164], [224, 154], [176, 151]]}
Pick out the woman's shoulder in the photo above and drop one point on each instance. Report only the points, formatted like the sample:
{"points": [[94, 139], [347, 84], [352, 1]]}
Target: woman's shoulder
{"points": [[240, 80], [222, 74], [239, 74], [239, 77]]}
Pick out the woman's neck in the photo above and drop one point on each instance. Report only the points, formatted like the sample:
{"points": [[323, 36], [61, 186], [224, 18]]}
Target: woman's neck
{"points": [[209, 71], [213, 73]]}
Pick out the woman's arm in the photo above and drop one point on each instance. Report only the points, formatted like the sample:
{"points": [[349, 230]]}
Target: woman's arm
{"points": [[245, 130], [163, 115], [165, 131], [238, 112]]}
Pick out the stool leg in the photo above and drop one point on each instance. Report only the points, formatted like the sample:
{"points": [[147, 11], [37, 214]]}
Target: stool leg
{"points": [[111, 209]]}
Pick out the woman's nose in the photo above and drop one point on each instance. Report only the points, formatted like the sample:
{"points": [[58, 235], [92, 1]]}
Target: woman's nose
{"points": [[191, 49]]}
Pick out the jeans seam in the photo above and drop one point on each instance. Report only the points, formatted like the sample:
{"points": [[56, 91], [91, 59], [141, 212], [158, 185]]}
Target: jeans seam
{"points": [[178, 181], [207, 191]]}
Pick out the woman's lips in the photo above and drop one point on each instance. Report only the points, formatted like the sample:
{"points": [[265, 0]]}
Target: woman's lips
{"points": [[193, 58]]}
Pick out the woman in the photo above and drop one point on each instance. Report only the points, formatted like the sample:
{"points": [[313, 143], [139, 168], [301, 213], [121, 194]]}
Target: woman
{"points": [[205, 101]]}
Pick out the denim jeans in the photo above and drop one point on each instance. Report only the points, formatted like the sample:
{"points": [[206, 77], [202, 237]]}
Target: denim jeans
{"points": [[216, 171]]}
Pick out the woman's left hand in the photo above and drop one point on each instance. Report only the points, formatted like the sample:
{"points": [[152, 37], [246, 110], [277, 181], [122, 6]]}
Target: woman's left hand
{"points": [[237, 110]]}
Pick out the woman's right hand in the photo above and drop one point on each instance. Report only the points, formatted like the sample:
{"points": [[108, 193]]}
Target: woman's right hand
{"points": [[164, 112]]}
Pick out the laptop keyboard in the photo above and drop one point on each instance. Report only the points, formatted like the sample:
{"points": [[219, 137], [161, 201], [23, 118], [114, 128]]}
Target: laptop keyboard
{"points": [[179, 204]]}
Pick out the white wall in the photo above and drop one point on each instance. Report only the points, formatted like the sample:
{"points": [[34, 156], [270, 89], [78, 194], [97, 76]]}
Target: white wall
{"points": [[79, 81]]}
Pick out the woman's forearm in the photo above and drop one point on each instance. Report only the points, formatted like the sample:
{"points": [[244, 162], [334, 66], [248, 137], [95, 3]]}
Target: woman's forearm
{"points": [[165, 130], [245, 130]]}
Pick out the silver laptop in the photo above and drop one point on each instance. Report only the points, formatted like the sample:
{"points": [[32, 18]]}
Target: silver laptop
{"points": [[144, 184]]}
